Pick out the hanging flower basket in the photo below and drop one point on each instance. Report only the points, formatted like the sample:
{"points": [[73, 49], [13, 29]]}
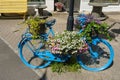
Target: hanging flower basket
{"points": [[67, 42]]}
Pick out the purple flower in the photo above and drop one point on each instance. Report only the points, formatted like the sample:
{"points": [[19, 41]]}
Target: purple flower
{"points": [[98, 21]]}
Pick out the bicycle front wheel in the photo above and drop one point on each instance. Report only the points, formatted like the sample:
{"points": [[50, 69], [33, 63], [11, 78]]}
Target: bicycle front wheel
{"points": [[99, 56], [28, 49]]}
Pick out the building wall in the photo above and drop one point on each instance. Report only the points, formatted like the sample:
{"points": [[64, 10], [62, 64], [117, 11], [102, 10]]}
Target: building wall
{"points": [[50, 5], [84, 6]]}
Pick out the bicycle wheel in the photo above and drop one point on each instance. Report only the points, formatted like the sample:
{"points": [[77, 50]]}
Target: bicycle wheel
{"points": [[99, 56], [29, 50]]}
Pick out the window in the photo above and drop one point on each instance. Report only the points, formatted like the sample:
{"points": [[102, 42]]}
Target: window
{"points": [[40, 1]]}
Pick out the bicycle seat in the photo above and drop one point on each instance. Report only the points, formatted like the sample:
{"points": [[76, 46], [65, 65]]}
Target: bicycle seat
{"points": [[50, 22]]}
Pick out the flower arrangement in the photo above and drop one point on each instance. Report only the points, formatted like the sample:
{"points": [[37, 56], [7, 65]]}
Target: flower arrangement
{"points": [[59, 6], [36, 26], [67, 42], [91, 27]]}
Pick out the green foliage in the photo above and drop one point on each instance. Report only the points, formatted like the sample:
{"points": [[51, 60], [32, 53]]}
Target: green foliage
{"points": [[36, 26], [94, 29], [91, 27], [70, 66]]}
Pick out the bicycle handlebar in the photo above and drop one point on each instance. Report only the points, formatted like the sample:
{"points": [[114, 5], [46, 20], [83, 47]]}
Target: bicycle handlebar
{"points": [[50, 23]]}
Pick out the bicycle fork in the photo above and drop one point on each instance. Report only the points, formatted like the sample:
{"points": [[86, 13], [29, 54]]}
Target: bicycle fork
{"points": [[94, 54]]}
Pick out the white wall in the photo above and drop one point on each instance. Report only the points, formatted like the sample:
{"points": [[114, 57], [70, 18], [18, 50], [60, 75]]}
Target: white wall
{"points": [[84, 6], [50, 5]]}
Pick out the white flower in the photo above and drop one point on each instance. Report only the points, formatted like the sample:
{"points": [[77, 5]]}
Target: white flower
{"points": [[67, 41]]}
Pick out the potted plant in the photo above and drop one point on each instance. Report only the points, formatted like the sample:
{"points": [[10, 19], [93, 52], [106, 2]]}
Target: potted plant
{"points": [[36, 26], [91, 27], [59, 6], [67, 43]]}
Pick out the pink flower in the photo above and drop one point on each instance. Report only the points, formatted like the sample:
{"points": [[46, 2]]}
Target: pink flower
{"points": [[55, 48], [59, 5]]}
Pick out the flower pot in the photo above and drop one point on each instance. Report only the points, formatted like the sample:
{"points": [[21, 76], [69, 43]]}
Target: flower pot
{"points": [[59, 9], [59, 6]]}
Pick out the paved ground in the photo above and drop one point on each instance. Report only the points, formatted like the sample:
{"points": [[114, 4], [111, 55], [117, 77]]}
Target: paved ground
{"points": [[11, 68], [8, 34]]}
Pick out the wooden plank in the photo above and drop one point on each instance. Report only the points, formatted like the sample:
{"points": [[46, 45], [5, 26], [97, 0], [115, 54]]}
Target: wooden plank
{"points": [[13, 6]]}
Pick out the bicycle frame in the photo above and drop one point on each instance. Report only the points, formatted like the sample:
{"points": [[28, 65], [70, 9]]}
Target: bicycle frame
{"points": [[45, 55]]}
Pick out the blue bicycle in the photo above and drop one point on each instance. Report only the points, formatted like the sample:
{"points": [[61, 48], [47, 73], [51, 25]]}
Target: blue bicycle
{"points": [[34, 53]]}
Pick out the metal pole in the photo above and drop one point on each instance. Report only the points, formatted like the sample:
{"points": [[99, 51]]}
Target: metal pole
{"points": [[70, 20]]}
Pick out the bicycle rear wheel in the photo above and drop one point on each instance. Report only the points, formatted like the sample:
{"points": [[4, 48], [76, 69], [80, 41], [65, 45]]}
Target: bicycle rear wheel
{"points": [[99, 56], [28, 50]]}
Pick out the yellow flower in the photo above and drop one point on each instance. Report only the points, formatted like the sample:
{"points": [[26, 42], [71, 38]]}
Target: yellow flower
{"points": [[42, 21], [52, 44]]}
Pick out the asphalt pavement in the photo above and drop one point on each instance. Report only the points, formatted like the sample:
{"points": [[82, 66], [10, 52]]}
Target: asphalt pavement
{"points": [[11, 68]]}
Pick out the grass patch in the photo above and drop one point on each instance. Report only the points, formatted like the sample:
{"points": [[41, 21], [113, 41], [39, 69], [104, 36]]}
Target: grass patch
{"points": [[70, 65]]}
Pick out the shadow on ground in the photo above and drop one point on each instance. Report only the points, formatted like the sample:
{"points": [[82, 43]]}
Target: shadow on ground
{"points": [[44, 76], [113, 32]]}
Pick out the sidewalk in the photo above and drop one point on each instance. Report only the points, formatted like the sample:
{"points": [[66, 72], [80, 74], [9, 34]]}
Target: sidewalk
{"points": [[11, 68], [7, 28]]}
